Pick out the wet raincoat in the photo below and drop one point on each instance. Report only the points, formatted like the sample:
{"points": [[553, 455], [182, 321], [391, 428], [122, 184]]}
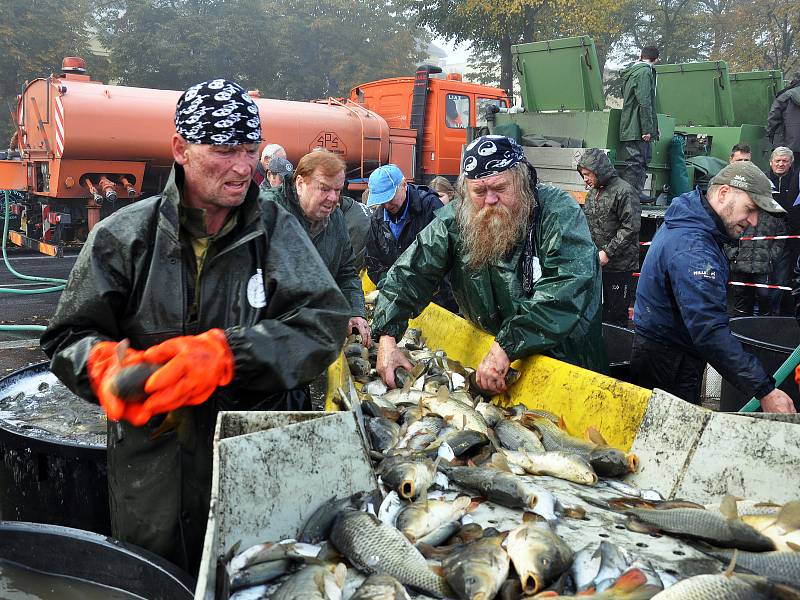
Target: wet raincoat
{"points": [[261, 281], [560, 318], [681, 296], [638, 102], [613, 213], [783, 123], [332, 242]]}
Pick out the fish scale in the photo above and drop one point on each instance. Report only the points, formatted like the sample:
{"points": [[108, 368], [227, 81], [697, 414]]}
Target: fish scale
{"points": [[782, 567], [554, 438], [705, 525], [719, 586], [373, 547], [515, 436]]}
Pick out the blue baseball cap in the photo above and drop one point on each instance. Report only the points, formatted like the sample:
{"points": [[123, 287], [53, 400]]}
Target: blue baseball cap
{"points": [[383, 184]]}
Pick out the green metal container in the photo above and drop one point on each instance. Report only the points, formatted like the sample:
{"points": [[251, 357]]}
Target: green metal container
{"points": [[559, 75], [753, 94], [695, 93], [597, 129], [722, 139]]}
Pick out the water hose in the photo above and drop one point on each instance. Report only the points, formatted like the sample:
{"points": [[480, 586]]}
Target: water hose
{"points": [[782, 373], [60, 283]]}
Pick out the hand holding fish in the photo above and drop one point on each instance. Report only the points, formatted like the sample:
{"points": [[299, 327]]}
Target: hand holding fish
{"points": [[492, 370], [106, 360], [390, 357]]}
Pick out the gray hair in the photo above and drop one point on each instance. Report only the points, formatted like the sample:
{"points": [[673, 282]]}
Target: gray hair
{"points": [[782, 151]]}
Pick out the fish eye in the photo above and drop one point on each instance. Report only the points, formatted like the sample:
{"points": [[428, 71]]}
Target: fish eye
{"points": [[545, 562]]}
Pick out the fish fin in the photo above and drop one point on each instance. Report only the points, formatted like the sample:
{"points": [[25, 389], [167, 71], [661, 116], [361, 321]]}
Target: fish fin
{"points": [[474, 503], [340, 572], [598, 502], [471, 464], [575, 512], [168, 424], [793, 547], [728, 508], [789, 516], [593, 435], [500, 462], [439, 570], [122, 349], [629, 581], [547, 594], [633, 462], [634, 524], [234, 550], [562, 424], [531, 517], [732, 565]]}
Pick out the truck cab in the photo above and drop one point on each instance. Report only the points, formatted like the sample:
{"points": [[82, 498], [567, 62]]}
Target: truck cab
{"points": [[440, 110]]}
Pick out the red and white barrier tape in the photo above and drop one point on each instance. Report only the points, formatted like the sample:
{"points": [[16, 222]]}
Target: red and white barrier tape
{"points": [[761, 285], [753, 238], [767, 286]]}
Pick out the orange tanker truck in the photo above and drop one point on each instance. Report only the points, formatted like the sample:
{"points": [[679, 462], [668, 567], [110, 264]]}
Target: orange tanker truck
{"points": [[83, 148]]}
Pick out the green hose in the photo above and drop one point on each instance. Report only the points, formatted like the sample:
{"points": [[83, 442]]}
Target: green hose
{"points": [[52, 280], [782, 373]]}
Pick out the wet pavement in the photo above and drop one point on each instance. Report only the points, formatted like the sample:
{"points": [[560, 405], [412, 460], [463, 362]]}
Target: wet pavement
{"points": [[20, 349]]}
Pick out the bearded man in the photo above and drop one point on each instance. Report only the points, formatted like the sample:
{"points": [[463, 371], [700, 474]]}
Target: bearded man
{"points": [[680, 316], [522, 267]]}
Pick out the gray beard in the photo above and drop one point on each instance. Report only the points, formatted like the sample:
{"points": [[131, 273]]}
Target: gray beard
{"points": [[489, 234]]}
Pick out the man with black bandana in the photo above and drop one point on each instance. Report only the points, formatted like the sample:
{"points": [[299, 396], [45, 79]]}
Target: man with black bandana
{"points": [[223, 294], [522, 267]]}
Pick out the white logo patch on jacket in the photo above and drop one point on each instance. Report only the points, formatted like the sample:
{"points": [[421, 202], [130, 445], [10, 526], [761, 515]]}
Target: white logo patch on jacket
{"points": [[256, 295]]}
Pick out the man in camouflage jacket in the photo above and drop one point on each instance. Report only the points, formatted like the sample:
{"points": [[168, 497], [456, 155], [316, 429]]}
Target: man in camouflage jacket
{"points": [[614, 215]]}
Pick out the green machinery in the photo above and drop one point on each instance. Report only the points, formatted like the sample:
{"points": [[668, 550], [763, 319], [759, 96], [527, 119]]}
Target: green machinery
{"points": [[564, 111], [564, 105], [715, 110]]}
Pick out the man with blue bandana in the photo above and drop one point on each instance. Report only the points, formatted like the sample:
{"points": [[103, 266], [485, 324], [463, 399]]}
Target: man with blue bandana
{"points": [[522, 267], [218, 294]]}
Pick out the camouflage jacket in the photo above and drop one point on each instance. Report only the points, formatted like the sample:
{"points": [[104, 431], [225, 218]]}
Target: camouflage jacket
{"points": [[613, 212]]}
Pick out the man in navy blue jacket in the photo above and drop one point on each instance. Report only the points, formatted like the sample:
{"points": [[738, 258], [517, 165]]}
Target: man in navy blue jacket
{"points": [[680, 314]]}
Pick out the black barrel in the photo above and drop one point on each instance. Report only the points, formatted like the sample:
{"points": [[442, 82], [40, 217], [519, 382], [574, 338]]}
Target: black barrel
{"points": [[771, 340], [48, 480], [94, 558], [619, 343]]}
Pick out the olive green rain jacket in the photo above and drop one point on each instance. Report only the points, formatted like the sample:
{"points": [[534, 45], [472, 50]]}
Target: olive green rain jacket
{"points": [[613, 213], [333, 244], [638, 102], [261, 281], [562, 316]]}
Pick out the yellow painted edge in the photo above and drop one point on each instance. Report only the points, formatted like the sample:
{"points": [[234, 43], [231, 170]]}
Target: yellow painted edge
{"points": [[582, 397], [338, 374]]}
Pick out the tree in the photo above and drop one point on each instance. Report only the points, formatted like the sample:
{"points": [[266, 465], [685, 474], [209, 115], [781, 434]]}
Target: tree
{"points": [[34, 36], [325, 48], [171, 44], [493, 26], [763, 34], [290, 49]]}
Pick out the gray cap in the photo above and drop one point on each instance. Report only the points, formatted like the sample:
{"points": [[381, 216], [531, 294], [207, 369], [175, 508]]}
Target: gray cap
{"points": [[744, 175], [280, 166]]}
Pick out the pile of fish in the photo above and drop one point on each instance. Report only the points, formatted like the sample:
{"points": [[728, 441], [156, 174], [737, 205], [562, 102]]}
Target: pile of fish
{"points": [[41, 406], [478, 502]]}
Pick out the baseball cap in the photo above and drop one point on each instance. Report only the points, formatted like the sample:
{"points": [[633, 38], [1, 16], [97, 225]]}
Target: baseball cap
{"points": [[270, 149], [744, 175], [383, 184], [280, 166]]}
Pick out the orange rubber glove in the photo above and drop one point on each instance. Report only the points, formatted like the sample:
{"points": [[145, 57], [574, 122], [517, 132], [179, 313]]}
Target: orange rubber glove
{"points": [[194, 366], [106, 359]]}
